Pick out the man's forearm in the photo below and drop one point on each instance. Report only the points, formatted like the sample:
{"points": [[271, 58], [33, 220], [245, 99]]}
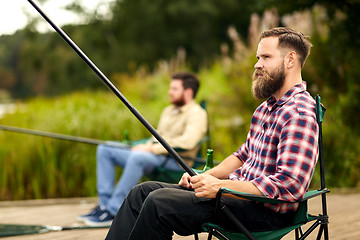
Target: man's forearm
{"points": [[227, 166]]}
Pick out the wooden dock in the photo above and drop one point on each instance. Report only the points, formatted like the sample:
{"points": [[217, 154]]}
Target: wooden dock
{"points": [[343, 209]]}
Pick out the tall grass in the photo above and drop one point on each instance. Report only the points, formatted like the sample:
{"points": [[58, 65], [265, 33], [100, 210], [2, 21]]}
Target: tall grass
{"points": [[38, 167]]}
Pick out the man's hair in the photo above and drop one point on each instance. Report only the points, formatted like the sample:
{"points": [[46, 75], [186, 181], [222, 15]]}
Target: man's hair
{"points": [[189, 80], [289, 38]]}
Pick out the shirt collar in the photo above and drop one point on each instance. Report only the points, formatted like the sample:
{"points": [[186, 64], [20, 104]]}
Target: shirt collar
{"points": [[272, 104]]}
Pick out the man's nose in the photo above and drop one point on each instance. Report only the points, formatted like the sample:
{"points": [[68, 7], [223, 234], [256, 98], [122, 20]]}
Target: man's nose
{"points": [[258, 65]]}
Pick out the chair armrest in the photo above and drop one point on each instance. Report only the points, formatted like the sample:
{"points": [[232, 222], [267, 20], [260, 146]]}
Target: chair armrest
{"points": [[264, 199], [315, 193], [140, 141], [252, 197]]}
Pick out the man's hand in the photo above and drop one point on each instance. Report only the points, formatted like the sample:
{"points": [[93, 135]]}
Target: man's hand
{"points": [[205, 185], [142, 147], [185, 181]]}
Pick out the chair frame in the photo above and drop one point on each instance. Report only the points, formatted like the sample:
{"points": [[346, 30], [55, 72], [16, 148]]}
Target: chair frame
{"points": [[321, 221]]}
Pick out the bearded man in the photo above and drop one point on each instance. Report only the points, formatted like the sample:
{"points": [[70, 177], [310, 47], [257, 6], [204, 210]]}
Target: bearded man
{"points": [[182, 124], [277, 159]]}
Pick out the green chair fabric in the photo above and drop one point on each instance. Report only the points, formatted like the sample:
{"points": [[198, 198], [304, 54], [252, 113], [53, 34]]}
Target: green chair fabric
{"points": [[301, 217]]}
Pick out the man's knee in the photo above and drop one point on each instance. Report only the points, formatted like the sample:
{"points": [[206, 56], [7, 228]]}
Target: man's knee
{"points": [[163, 198], [142, 190], [147, 187], [101, 150], [139, 157], [155, 200], [142, 160]]}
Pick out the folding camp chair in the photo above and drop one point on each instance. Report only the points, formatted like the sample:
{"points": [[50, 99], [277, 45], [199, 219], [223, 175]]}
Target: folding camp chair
{"points": [[163, 174], [302, 217]]}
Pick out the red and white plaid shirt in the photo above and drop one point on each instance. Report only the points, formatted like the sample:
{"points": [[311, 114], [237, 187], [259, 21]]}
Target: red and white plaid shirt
{"points": [[280, 152]]}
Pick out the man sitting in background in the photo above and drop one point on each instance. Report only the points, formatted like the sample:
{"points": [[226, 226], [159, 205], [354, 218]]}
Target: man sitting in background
{"points": [[182, 124]]}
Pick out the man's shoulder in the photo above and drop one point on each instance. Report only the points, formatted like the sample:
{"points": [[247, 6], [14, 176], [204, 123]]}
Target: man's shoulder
{"points": [[195, 108], [302, 104]]}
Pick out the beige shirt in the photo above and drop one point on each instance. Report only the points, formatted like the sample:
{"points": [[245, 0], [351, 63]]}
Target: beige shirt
{"points": [[182, 128]]}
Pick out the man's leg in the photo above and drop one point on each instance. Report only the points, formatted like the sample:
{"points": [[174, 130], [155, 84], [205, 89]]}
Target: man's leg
{"points": [[107, 158], [154, 210], [172, 164], [138, 163]]}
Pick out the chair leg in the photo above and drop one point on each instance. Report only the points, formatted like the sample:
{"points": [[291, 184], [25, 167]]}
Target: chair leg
{"points": [[321, 229], [297, 234], [210, 234], [326, 232], [196, 236]]}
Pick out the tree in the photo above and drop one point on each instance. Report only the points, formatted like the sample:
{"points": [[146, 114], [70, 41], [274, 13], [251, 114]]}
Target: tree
{"points": [[149, 31]]}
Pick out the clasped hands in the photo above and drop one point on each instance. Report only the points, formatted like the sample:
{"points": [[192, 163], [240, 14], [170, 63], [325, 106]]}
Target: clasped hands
{"points": [[203, 184]]}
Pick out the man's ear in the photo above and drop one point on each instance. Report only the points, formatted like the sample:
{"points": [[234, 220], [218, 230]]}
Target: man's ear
{"points": [[290, 60], [189, 93]]}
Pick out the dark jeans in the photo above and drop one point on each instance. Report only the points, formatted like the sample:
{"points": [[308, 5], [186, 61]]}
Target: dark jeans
{"points": [[154, 210]]}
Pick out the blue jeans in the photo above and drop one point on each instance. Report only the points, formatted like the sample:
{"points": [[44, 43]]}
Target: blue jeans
{"points": [[135, 165]]}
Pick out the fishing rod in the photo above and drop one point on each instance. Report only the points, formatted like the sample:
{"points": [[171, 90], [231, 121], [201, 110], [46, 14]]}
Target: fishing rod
{"points": [[109, 84], [84, 140], [9, 230], [64, 137], [137, 114]]}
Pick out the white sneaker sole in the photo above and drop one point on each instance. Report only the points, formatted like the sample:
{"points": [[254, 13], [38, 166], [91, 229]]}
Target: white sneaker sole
{"points": [[82, 219], [97, 224]]}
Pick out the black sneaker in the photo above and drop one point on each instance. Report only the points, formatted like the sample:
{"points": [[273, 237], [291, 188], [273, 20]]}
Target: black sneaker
{"points": [[103, 219], [95, 212]]}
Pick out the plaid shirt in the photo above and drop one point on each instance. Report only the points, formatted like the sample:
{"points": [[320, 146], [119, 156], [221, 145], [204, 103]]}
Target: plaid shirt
{"points": [[280, 152]]}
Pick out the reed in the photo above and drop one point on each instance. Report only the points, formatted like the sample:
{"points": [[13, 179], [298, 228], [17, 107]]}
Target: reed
{"points": [[40, 167]]}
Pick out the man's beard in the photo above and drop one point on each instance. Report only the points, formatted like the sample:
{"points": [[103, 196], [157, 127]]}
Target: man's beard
{"points": [[263, 88], [179, 102]]}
